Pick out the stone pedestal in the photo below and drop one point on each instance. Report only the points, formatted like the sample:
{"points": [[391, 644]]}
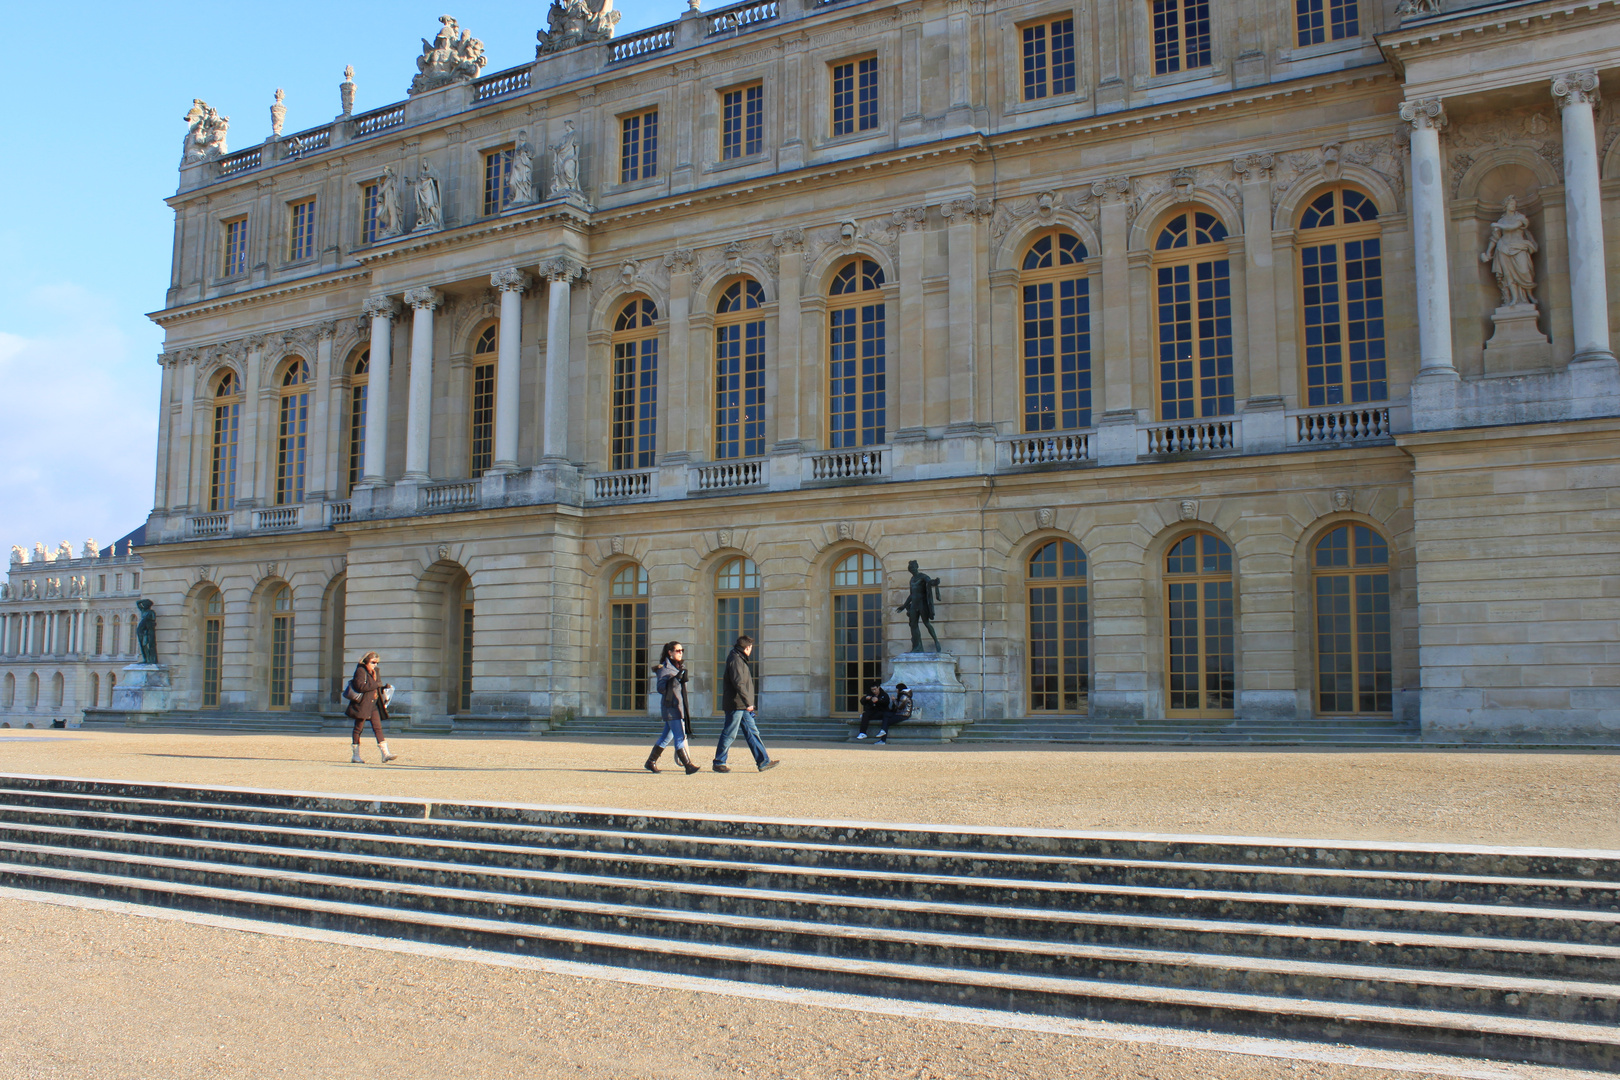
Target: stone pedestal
{"points": [[1518, 345], [143, 688], [939, 701]]}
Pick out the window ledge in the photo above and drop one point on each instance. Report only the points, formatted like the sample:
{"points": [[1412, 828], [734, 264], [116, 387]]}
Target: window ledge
{"points": [[727, 164]]}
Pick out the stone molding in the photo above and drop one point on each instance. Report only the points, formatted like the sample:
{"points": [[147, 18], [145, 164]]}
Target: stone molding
{"points": [[1576, 88]]}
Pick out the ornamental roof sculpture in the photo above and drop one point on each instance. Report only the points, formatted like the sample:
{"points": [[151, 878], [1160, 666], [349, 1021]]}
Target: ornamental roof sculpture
{"points": [[571, 23], [452, 56], [205, 133]]}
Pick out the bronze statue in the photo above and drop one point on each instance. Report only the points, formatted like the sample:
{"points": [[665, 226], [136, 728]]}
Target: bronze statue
{"points": [[146, 632], [919, 605]]}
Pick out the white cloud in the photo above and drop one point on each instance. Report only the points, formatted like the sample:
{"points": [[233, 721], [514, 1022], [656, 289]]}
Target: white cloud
{"points": [[79, 429]]}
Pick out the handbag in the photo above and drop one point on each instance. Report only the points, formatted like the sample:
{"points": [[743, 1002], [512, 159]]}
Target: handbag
{"points": [[349, 693], [387, 694]]}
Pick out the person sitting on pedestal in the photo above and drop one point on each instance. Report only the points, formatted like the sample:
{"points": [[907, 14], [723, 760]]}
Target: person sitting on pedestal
{"points": [[898, 714], [874, 706]]}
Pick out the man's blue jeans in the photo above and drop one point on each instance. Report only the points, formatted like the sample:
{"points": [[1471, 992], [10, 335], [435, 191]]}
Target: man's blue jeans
{"points": [[743, 719]]}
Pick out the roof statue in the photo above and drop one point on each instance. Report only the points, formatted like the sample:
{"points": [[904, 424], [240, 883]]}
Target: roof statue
{"points": [[205, 135], [570, 23], [452, 56]]}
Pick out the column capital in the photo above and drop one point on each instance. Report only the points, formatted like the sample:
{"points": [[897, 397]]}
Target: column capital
{"points": [[380, 307], [424, 299], [562, 269], [1112, 189], [326, 331], [1575, 88], [510, 280], [1254, 168], [1424, 113]]}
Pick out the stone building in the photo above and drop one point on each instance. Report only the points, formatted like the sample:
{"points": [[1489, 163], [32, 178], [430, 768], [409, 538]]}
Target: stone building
{"points": [[1222, 360], [67, 628]]}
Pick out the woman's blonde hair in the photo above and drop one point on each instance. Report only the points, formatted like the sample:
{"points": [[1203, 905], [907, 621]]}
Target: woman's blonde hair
{"points": [[369, 657]]}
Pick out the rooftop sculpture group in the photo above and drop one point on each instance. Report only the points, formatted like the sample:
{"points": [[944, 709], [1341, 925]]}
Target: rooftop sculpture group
{"points": [[205, 132], [570, 23], [452, 56]]}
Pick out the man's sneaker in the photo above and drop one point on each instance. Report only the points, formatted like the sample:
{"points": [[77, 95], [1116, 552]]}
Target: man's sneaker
{"points": [[721, 768], [860, 736], [883, 739], [771, 764]]}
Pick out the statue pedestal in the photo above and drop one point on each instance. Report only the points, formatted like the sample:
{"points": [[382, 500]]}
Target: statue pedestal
{"points": [[143, 688], [939, 701], [1518, 345]]}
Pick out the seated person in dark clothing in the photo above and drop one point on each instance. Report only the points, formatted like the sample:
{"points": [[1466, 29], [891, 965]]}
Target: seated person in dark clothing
{"points": [[898, 713], [874, 706]]}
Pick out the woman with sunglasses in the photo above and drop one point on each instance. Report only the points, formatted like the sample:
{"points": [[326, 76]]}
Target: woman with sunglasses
{"points": [[671, 674], [367, 703]]}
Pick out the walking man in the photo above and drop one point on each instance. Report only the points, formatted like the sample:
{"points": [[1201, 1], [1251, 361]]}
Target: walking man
{"points": [[737, 700]]}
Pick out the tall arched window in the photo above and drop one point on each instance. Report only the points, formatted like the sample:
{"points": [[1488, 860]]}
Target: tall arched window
{"points": [[736, 612], [739, 372], [133, 646], [633, 434], [9, 698], [1342, 299], [213, 634], [1056, 333], [117, 625], [281, 644], [482, 427], [1193, 301], [359, 380], [857, 336], [1059, 629], [627, 639], [58, 690], [1200, 651], [462, 613], [292, 434], [101, 627], [1354, 672], [857, 622], [95, 690], [33, 690], [227, 423]]}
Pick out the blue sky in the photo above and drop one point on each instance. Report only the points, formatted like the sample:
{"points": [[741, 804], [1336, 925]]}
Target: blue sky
{"points": [[92, 131]]}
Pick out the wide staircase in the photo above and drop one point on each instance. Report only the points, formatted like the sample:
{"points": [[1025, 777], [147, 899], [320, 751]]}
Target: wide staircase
{"points": [[1506, 953]]}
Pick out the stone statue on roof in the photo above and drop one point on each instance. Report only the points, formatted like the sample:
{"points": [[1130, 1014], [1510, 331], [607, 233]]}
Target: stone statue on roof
{"points": [[452, 56], [205, 132], [570, 23]]}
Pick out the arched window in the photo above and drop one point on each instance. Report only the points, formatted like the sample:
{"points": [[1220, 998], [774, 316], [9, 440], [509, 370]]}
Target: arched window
{"points": [[1342, 299], [1056, 333], [33, 690], [1193, 301], [633, 435], [482, 427], [292, 434], [95, 690], [462, 612], [58, 690], [857, 622], [9, 698], [736, 612], [112, 685], [227, 422], [1059, 629], [1200, 652], [133, 647], [117, 626], [627, 640], [213, 633], [739, 372], [1354, 673], [101, 627], [857, 336], [281, 643], [359, 380]]}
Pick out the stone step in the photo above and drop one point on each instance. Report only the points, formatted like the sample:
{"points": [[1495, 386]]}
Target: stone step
{"points": [[1519, 1038]]}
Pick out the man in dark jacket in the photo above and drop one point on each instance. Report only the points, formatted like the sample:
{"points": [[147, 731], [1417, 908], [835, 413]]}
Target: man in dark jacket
{"points": [[737, 701]]}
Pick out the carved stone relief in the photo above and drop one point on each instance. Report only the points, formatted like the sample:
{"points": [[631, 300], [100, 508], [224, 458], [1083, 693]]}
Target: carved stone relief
{"points": [[1188, 509], [617, 544], [1341, 499], [1535, 129], [452, 56], [571, 23], [1043, 518]]}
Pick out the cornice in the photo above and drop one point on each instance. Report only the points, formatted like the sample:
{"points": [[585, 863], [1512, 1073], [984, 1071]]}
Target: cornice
{"points": [[268, 294], [1507, 21]]}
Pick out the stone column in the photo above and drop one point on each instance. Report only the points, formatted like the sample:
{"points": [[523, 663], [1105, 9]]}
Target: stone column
{"points": [[1427, 117], [1576, 93], [511, 283], [680, 378], [559, 273], [382, 311], [318, 481], [962, 245], [908, 387], [782, 391], [247, 451], [419, 408]]}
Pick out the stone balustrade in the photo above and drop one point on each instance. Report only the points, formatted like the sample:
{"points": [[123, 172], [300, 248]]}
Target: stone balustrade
{"points": [[1340, 424], [502, 83], [742, 16], [1190, 437], [636, 46], [378, 120]]}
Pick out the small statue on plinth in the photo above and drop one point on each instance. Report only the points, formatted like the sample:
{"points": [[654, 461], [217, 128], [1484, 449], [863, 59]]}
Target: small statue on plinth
{"points": [[1510, 253], [919, 606], [146, 632]]}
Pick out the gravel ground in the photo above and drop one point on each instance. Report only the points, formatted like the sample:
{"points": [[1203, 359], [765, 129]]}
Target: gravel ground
{"points": [[1486, 797], [113, 996]]}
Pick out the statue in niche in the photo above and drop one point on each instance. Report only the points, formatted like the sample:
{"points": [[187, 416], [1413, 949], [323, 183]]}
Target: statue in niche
{"points": [[146, 632], [205, 133], [565, 163], [521, 178], [427, 201], [1511, 253], [452, 56], [919, 606], [390, 215], [576, 22]]}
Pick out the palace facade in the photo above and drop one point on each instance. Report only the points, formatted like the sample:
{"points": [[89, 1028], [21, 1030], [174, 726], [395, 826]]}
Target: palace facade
{"points": [[1222, 360]]}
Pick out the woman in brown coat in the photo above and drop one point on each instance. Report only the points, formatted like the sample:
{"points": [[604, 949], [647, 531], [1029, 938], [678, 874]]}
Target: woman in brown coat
{"points": [[365, 694]]}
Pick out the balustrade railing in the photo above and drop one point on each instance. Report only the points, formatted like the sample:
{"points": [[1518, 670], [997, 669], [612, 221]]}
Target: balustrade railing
{"points": [[1189, 437], [1345, 424], [513, 81], [728, 476], [337, 513], [444, 496], [849, 464], [210, 525], [740, 16], [278, 517], [378, 120], [307, 142], [626, 485], [241, 161], [645, 43], [1049, 449]]}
